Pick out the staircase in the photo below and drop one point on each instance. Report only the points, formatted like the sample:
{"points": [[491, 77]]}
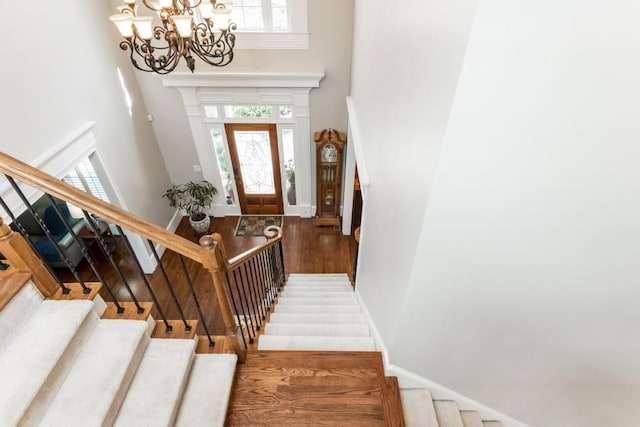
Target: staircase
{"points": [[61, 364], [320, 312], [317, 312]]}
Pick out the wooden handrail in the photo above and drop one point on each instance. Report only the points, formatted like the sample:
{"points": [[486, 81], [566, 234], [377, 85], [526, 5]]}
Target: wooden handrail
{"points": [[273, 233], [60, 189]]}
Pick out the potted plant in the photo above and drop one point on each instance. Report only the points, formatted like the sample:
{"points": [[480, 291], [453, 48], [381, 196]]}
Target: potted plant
{"points": [[290, 172], [194, 198]]}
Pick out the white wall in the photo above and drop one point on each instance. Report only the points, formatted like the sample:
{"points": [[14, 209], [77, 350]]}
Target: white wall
{"points": [[329, 51], [524, 288], [405, 68], [60, 72]]}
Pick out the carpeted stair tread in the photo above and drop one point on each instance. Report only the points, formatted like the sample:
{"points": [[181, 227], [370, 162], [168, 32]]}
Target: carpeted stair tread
{"points": [[471, 418], [317, 301], [448, 413], [491, 423], [316, 318], [291, 308], [94, 389], [328, 343], [417, 405], [156, 391], [318, 329], [211, 377], [18, 310], [319, 288], [40, 354], [309, 282], [292, 293], [319, 276]]}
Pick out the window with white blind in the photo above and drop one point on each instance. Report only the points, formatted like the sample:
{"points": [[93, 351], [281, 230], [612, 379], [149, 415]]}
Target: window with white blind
{"points": [[84, 177]]}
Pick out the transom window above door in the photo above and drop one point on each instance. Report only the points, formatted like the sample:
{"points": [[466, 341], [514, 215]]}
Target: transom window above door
{"points": [[261, 15]]}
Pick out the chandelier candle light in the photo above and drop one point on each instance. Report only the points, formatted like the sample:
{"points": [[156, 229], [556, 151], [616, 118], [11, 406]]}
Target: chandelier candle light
{"points": [[178, 36]]}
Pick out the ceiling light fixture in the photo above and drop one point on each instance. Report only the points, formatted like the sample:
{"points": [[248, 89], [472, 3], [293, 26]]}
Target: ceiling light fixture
{"points": [[160, 47]]}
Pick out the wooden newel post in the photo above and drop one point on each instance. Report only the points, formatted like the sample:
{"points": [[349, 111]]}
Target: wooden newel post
{"points": [[21, 257], [212, 263]]}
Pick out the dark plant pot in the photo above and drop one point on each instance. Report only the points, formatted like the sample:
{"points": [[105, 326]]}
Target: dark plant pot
{"points": [[291, 194], [200, 223]]}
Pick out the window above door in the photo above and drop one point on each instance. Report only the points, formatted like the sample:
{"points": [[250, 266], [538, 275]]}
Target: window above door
{"points": [[271, 24]]}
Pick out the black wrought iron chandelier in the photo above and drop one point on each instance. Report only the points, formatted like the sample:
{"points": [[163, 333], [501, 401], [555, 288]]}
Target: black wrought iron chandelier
{"points": [[159, 48]]}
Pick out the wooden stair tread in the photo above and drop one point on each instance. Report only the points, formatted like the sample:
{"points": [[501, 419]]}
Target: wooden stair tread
{"points": [[77, 291], [178, 330], [130, 311], [391, 403], [11, 284], [222, 345], [314, 388], [315, 359]]}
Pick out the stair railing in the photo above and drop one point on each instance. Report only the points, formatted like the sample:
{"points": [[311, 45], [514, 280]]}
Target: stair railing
{"points": [[254, 274], [251, 280]]}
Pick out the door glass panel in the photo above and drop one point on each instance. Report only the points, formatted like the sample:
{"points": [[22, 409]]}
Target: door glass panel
{"points": [[223, 165], [248, 111], [286, 112], [289, 165], [256, 166]]}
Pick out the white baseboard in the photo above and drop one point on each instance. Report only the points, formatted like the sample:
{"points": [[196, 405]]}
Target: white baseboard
{"points": [[408, 379], [175, 221]]}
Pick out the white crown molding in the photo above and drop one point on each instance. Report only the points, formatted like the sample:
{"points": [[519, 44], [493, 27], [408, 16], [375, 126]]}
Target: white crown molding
{"points": [[240, 79]]}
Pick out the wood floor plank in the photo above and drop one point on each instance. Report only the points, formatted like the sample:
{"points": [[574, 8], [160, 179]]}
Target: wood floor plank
{"points": [[130, 311], [311, 389], [222, 345], [391, 403], [178, 330], [312, 359], [77, 292]]}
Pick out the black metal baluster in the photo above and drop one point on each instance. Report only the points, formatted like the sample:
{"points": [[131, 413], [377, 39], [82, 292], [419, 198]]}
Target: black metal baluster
{"points": [[235, 307], [195, 299], [244, 303], [87, 256], [272, 291], [253, 302], [24, 233], [262, 283], [125, 239], [281, 264], [47, 232], [256, 288], [168, 283], [105, 249]]}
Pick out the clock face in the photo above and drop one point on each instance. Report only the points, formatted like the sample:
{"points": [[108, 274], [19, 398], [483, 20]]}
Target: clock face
{"points": [[329, 153]]}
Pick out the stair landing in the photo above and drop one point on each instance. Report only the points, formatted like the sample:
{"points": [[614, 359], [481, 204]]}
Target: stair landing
{"points": [[321, 388]]}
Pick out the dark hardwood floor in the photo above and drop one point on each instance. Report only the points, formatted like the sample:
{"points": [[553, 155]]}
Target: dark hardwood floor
{"points": [[307, 249]]}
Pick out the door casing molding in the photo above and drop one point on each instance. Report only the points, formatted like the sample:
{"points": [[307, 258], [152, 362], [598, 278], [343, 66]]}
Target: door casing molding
{"points": [[250, 88]]}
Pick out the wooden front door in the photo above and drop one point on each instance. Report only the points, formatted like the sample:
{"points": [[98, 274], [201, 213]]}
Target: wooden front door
{"points": [[254, 157]]}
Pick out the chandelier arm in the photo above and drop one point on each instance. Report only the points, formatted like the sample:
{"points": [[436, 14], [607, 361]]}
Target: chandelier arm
{"points": [[214, 51]]}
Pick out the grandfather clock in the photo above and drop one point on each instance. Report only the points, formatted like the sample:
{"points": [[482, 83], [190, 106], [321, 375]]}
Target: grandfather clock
{"points": [[329, 145]]}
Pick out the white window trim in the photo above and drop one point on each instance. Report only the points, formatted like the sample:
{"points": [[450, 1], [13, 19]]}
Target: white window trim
{"points": [[296, 38]]}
